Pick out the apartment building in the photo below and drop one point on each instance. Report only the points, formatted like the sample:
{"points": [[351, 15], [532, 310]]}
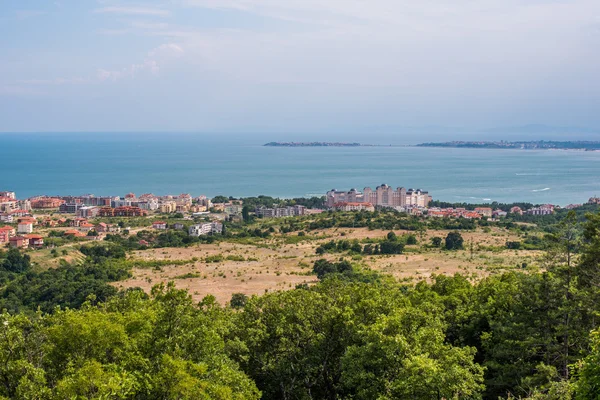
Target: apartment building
{"points": [[383, 196], [206, 229], [278, 212], [353, 206]]}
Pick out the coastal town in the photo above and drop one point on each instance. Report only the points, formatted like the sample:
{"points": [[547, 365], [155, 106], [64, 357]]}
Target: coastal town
{"points": [[26, 222]]}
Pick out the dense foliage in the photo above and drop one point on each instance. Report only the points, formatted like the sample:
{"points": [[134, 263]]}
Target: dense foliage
{"points": [[354, 335]]}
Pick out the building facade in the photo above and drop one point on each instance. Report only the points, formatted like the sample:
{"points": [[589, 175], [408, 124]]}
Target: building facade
{"points": [[383, 196]]}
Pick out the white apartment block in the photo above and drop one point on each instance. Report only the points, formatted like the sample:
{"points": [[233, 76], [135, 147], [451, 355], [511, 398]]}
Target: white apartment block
{"points": [[205, 229]]}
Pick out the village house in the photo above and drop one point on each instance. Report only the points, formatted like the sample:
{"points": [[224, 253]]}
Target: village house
{"points": [[178, 225], [19, 242], [49, 222], [74, 233], [499, 214], [86, 227], [35, 241], [76, 222], [160, 225], [101, 227], [484, 211], [516, 210]]}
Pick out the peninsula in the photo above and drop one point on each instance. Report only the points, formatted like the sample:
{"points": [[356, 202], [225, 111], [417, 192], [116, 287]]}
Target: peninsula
{"points": [[521, 145], [313, 144]]}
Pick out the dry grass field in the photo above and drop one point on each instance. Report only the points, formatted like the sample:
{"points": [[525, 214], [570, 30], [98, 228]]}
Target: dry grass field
{"points": [[282, 262]]}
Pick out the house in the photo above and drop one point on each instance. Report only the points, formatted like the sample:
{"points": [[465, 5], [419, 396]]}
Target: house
{"points": [[101, 227], [76, 222], [49, 222], [25, 227], [499, 214], [516, 210], [484, 211], [6, 217], [35, 241], [19, 242], [205, 229], [143, 243], [178, 225], [86, 227], [160, 225], [74, 233]]}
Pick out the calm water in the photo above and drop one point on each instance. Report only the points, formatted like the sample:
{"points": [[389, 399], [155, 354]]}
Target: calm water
{"points": [[112, 164]]}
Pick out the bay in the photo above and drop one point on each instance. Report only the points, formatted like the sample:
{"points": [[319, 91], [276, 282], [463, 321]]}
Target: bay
{"points": [[238, 165]]}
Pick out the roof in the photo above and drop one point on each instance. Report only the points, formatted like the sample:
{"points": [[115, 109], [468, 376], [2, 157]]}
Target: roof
{"points": [[16, 238], [7, 228], [159, 223], [86, 225], [33, 236]]}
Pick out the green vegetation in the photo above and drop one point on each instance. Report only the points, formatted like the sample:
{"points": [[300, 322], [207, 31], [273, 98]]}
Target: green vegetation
{"points": [[355, 334]]}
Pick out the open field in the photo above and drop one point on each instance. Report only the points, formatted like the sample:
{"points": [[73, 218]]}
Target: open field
{"points": [[255, 266]]}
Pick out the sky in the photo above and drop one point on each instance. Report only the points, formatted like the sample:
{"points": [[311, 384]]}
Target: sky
{"points": [[297, 65]]}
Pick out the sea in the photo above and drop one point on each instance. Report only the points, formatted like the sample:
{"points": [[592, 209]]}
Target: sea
{"points": [[239, 165]]}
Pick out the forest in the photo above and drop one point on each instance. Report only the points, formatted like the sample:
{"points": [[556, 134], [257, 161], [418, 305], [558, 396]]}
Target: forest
{"points": [[66, 333]]}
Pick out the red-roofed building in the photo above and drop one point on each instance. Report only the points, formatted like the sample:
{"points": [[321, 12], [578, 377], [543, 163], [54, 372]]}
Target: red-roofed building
{"points": [[76, 222], [484, 211], [74, 233], [86, 227], [25, 227], [29, 220], [159, 225], [5, 233], [516, 210], [35, 241], [20, 213], [19, 242], [101, 227]]}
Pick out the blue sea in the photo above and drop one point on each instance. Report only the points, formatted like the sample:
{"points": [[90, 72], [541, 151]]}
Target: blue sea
{"points": [[238, 165]]}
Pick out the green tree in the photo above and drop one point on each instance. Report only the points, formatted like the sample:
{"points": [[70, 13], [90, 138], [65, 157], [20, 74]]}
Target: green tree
{"points": [[454, 241], [238, 300], [16, 262], [436, 241]]}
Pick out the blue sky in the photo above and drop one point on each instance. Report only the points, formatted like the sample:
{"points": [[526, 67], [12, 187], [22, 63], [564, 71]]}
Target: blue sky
{"points": [[297, 65]]}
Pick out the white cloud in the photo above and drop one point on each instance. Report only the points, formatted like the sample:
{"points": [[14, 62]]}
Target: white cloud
{"points": [[132, 71], [119, 10]]}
